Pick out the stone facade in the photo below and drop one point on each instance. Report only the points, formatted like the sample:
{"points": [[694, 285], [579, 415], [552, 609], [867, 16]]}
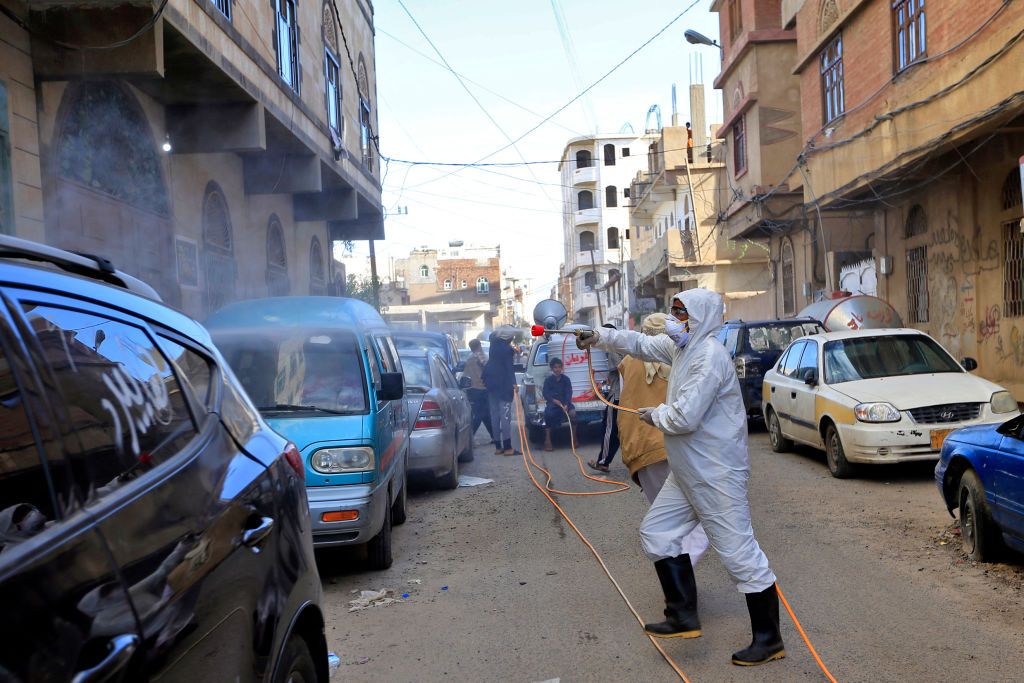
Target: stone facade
{"points": [[217, 155]]}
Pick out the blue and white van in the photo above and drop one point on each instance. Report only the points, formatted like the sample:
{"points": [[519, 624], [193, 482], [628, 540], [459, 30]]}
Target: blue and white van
{"points": [[324, 373]]}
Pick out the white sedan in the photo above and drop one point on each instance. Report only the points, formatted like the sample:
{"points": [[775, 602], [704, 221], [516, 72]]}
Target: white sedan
{"points": [[875, 396]]}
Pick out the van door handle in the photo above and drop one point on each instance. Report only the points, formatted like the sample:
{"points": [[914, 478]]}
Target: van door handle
{"points": [[120, 651], [251, 538], [792, 394], [773, 390]]}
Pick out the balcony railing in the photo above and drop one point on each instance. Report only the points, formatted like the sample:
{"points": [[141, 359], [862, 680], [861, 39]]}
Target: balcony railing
{"points": [[584, 176], [585, 216]]}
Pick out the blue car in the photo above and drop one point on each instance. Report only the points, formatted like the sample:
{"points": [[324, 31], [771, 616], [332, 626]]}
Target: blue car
{"points": [[981, 474]]}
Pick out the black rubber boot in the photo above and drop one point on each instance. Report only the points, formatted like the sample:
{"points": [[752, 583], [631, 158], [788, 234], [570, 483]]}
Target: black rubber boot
{"points": [[680, 588], [766, 645]]}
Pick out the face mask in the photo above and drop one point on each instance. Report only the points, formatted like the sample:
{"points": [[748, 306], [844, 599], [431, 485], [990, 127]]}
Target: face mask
{"points": [[677, 332]]}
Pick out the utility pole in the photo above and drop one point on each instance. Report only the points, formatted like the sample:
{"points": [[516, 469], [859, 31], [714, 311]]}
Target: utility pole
{"points": [[373, 277], [597, 292]]}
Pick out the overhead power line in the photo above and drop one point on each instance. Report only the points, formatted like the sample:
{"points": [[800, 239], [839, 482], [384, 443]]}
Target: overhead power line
{"points": [[565, 106]]}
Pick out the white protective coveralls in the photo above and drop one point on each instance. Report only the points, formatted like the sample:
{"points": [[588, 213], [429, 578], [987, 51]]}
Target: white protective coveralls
{"points": [[705, 426]]}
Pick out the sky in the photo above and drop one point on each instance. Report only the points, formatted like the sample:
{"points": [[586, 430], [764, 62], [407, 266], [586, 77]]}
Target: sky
{"points": [[513, 58]]}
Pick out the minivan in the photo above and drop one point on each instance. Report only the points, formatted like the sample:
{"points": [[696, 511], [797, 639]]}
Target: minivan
{"points": [[324, 372]]}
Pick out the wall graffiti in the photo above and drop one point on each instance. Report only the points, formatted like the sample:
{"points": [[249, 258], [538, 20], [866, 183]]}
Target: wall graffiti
{"points": [[1012, 350], [988, 327]]}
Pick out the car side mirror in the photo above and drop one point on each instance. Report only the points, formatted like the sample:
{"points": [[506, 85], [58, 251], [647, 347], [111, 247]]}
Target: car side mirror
{"points": [[811, 378], [519, 367], [970, 365], [392, 386]]}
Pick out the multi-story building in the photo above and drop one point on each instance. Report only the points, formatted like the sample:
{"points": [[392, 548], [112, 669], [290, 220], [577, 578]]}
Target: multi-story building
{"points": [[214, 149], [455, 290], [675, 231], [596, 175], [913, 117]]}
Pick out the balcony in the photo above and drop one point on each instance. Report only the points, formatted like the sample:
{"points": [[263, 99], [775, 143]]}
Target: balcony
{"points": [[584, 176], [584, 301], [583, 257], [587, 216]]}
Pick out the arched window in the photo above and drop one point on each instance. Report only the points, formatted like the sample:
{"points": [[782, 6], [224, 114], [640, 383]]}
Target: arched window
{"points": [[788, 279], [586, 240], [611, 196], [613, 276], [424, 271], [218, 248], [609, 155], [583, 158], [1011, 194], [277, 260], [589, 280], [917, 222], [332, 69], [613, 238], [482, 285], [365, 130], [584, 200], [317, 277], [448, 284]]}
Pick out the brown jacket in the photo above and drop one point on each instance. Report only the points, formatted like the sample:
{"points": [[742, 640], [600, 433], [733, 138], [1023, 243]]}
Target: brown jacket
{"points": [[641, 444]]}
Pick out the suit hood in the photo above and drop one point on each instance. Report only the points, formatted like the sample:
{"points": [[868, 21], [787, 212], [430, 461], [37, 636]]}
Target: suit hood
{"points": [[706, 313]]}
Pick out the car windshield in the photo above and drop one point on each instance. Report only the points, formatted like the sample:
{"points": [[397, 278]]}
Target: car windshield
{"points": [[763, 338], [541, 357], [848, 360], [417, 343], [416, 370], [297, 369]]}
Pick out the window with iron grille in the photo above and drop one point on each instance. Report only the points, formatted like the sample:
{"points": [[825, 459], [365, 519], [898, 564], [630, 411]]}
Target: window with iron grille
{"points": [[287, 34], [908, 32], [1013, 247], [788, 280], [832, 101], [735, 19], [739, 145], [365, 130], [917, 222], [917, 285], [224, 6]]}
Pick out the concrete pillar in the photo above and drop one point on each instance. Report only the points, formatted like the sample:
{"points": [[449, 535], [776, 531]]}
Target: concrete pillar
{"points": [[698, 118]]}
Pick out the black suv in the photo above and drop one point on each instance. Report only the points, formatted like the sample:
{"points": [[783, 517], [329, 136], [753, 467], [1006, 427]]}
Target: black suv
{"points": [[151, 524], [755, 346]]}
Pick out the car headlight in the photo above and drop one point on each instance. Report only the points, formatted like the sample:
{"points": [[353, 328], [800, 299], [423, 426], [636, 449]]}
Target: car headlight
{"points": [[876, 412], [1003, 402], [338, 460]]}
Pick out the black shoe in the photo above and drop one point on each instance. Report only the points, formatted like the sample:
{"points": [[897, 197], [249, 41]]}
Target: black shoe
{"points": [[680, 588], [766, 645]]}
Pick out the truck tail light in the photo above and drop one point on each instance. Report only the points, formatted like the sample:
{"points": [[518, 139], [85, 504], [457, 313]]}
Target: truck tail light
{"points": [[430, 415]]}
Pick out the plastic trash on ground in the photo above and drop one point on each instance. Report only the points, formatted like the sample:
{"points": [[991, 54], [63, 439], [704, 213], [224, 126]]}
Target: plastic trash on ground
{"points": [[333, 664], [467, 481], [367, 599]]}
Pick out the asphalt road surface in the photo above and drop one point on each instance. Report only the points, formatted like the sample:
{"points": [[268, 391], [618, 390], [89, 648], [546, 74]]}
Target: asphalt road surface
{"points": [[501, 589]]}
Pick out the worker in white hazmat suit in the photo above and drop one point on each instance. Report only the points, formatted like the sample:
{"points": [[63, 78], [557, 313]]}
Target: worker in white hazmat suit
{"points": [[705, 427]]}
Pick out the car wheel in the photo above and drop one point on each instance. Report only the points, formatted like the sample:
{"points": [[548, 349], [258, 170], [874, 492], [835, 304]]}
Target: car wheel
{"points": [[378, 550], [838, 465], [296, 665], [451, 480], [780, 444], [977, 530], [398, 507], [467, 455]]}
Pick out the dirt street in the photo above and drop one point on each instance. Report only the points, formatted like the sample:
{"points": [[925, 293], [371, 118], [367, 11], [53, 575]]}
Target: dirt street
{"points": [[501, 589]]}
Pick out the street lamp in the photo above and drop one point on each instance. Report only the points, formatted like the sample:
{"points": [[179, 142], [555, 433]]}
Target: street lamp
{"points": [[695, 38]]}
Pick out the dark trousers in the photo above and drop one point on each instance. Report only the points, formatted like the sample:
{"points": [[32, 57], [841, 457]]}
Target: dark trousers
{"points": [[481, 410], [610, 442]]}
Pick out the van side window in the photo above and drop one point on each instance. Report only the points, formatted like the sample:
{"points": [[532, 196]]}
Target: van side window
{"points": [[387, 360], [123, 404], [371, 356], [27, 503]]}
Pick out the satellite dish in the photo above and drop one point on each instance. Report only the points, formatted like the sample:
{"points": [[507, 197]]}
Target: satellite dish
{"points": [[550, 313]]}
